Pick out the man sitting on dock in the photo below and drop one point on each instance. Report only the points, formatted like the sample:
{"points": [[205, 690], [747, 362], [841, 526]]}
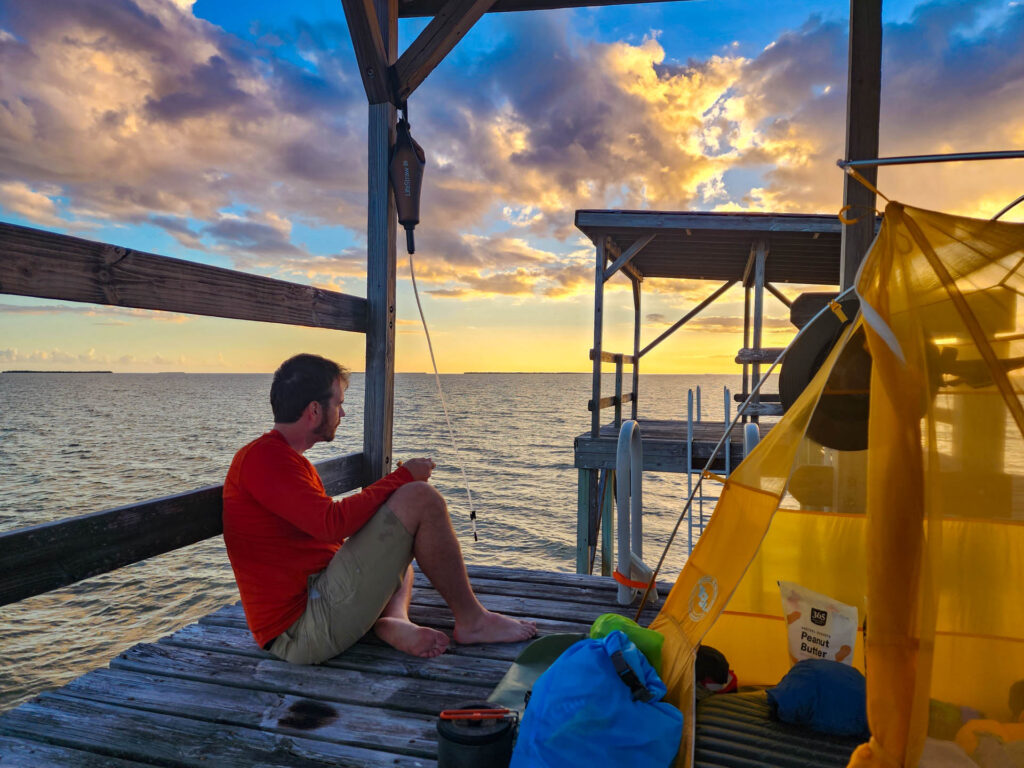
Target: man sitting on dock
{"points": [[316, 574]]}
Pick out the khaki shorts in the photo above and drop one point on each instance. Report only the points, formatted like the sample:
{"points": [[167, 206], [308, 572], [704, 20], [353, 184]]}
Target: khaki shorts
{"points": [[347, 597]]}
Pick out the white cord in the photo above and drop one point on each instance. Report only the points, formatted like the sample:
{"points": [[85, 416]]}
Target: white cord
{"points": [[444, 406]]}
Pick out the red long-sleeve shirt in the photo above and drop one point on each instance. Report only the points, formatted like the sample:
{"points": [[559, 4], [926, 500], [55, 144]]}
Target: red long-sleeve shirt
{"points": [[280, 526]]}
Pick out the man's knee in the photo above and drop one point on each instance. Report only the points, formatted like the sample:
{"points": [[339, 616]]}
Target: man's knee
{"points": [[413, 502]]}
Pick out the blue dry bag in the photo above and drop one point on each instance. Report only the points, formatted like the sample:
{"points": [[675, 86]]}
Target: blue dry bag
{"points": [[598, 704]]}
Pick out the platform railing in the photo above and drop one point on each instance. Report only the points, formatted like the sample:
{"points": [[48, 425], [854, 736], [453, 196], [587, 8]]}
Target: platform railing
{"points": [[619, 398], [42, 264]]}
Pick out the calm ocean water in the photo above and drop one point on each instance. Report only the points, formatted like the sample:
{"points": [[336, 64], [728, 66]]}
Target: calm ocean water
{"points": [[77, 443]]}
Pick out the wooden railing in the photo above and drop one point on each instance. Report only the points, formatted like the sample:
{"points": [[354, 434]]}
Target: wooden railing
{"points": [[619, 398], [36, 263]]}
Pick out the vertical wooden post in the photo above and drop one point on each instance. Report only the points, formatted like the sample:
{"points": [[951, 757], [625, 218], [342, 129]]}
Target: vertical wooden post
{"points": [[746, 341], [863, 94], [584, 482], [636, 345], [607, 524], [759, 265], [618, 391], [378, 409], [601, 257]]}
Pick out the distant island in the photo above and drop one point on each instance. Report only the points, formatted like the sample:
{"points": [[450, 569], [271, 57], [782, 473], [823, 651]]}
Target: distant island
{"points": [[56, 371]]}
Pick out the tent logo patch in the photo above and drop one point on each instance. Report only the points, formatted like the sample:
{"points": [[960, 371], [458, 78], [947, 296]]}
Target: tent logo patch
{"points": [[703, 596], [819, 617]]}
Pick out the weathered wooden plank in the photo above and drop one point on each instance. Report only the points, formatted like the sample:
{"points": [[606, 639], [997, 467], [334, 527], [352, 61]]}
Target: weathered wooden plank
{"points": [[600, 592], [270, 711], [414, 8], [863, 104], [763, 355], [682, 220], [660, 455], [43, 557], [527, 607], [349, 686], [770, 397], [763, 409], [52, 266], [552, 615], [370, 51], [627, 256], [614, 357], [440, 618], [365, 655], [451, 22], [167, 740], [22, 753], [609, 401]]}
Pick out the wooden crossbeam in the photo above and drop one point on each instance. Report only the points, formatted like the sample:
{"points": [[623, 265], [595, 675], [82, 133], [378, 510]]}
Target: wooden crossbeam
{"points": [[687, 317], [778, 294], [454, 19], [47, 265], [614, 357], [607, 402], [371, 54], [628, 255], [613, 251]]}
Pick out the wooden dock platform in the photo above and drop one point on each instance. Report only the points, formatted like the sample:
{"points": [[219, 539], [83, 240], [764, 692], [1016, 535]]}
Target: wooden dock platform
{"points": [[664, 444], [208, 696]]}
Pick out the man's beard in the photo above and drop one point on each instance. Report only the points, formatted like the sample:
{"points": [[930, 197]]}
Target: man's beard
{"points": [[323, 432]]}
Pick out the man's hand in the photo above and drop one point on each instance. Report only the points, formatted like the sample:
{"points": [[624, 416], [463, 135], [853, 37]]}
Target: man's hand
{"points": [[420, 468]]}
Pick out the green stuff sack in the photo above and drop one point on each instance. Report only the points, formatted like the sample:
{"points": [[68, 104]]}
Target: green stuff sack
{"points": [[647, 640]]}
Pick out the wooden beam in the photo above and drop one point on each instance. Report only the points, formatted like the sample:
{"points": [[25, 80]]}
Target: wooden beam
{"points": [[761, 251], [453, 20], [44, 557], [381, 230], [612, 251], [863, 96], [778, 295], [763, 355], [703, 221], [687, 317], [749, 268], [596, 353], [614, 357], [415, 8], [51, 266], [636, 347], [370, 49], [610, 400], [628, 254]]}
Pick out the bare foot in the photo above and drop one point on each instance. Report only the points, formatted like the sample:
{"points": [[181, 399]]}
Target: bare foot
{"points": [[411, 638], [494, 628]]}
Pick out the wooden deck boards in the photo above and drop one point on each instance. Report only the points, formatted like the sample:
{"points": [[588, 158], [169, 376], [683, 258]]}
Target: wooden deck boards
{"points": [[208, 696]]}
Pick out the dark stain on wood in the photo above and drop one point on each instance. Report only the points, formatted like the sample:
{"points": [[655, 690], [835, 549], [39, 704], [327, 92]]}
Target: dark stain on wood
{"points": [[308, 715]]}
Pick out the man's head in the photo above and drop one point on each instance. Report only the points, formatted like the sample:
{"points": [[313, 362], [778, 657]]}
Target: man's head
{"points": [[310, 389]]}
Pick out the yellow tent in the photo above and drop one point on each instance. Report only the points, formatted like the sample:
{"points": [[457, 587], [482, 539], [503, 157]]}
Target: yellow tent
{"points": [[922, 532]]}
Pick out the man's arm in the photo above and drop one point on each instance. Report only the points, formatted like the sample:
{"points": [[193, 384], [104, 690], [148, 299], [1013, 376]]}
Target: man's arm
{"points": [[287, 485]]}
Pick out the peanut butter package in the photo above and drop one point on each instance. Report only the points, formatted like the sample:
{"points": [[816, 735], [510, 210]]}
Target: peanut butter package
{"points": [[819, 627]]}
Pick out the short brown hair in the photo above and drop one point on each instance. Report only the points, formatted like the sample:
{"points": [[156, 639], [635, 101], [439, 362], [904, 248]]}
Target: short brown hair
{"points": [[301, 380]]}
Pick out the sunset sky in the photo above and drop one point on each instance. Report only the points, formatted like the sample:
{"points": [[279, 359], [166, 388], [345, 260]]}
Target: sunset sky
{"points": [[234, 134]]}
